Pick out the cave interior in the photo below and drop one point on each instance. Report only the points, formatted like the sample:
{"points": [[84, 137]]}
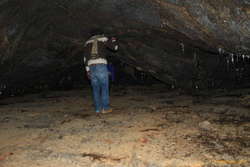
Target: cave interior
{"points": [[181, 93]]}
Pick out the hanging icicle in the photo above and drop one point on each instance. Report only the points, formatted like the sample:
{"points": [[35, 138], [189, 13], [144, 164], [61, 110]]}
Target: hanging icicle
{"points": [[182, 47], [195, 59], [248, 58], [221, 51], [232, 58], [228, 62]]}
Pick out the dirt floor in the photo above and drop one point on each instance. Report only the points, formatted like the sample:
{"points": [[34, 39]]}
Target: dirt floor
{"points": [[150, 127]]}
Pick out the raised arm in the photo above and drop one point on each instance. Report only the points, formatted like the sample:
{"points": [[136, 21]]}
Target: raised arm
{"points": [[112, 44]]}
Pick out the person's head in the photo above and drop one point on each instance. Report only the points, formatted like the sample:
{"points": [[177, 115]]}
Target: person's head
{"points": [[96, 31]]}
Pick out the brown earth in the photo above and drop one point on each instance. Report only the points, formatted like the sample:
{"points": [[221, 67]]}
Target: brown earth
{"points": [[150, 127]]}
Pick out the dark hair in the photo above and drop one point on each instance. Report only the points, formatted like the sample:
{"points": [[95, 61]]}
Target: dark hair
{"points": [[96, 31]]}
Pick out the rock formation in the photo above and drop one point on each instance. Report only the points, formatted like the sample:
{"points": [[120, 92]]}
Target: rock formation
{"points": [[194, 43]]}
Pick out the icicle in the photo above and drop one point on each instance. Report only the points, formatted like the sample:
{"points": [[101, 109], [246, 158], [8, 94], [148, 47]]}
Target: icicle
{"points": [[195, 59], [232, 58], [220, 50], [248, 57], [227, 58], [243, 57], [182, 47]]}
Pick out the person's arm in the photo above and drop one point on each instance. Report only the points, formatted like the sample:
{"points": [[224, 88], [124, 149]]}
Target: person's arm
{"points": [[112, 44], [85, 59], [86, 64]]}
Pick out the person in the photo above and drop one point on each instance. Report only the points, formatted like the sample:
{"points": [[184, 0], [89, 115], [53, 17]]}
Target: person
{"points": [[95, 53]]}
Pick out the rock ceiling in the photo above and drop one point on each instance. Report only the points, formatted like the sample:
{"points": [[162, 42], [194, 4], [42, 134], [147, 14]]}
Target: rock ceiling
{"points": [[162, 37]]}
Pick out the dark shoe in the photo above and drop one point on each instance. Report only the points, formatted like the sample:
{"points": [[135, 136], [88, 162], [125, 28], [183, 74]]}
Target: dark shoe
{"points": [[98, 114]]}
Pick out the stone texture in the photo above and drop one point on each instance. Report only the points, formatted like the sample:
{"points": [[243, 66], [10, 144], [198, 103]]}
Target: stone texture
{"points": [[163, 38]]}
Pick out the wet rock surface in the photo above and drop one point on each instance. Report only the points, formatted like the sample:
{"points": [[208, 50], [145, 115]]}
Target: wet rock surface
{"points": [[150, 127]]}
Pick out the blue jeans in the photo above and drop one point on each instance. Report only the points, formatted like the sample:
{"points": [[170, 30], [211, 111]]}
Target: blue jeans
{"points": [[100, 85]]}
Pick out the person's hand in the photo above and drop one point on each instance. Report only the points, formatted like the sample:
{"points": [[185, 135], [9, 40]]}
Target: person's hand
{"points": [[88, 74], [113, 39]]}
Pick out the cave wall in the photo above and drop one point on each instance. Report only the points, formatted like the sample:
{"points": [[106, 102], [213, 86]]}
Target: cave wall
{"points": [[182, 43]]}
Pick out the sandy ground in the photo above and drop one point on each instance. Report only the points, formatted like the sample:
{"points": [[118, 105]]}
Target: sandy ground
{"points": [[150, 127]]}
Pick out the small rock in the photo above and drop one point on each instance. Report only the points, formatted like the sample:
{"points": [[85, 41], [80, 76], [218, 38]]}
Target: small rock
{"points": [[206, 125], [227, 157], [143, 140]]}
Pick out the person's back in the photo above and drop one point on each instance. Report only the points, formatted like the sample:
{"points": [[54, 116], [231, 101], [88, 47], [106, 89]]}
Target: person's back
{"points": [[96, 67]]}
